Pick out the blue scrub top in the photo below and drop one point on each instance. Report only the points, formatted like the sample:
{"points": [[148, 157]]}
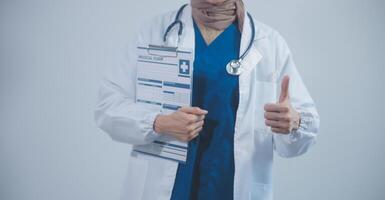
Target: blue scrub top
{"points": [[209, 170]]}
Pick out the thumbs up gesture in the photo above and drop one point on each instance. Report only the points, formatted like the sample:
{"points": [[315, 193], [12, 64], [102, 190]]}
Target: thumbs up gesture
{"points": [[281, 116]]}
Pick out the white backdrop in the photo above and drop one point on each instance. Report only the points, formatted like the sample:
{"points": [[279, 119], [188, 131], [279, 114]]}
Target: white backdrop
{"points": [[52, 53]]}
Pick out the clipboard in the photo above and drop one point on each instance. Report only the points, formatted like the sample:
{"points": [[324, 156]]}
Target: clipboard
{"points": [[164, 81]]}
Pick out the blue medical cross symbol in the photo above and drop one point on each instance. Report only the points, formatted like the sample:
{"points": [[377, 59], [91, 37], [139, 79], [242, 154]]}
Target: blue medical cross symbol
{"points": [[184, 66]]}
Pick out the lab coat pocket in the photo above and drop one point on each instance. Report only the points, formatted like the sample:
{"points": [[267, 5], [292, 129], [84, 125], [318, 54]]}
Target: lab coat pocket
{"points": [[265, 93], [261, 191]]}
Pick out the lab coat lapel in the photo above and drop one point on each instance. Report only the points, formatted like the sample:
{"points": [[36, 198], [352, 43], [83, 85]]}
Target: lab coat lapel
{"points": [[253, 56], [187, 40]]}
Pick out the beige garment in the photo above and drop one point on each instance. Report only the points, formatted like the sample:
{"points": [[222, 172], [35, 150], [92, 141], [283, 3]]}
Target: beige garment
{"points": [[218, 14]]}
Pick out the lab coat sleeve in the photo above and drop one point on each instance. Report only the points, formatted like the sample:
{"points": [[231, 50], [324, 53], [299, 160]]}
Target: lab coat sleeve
{"points": [[116, 112], [299, 141]]}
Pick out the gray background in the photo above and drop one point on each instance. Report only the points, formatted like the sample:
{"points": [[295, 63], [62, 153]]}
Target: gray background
{"points": [[52, 53]]}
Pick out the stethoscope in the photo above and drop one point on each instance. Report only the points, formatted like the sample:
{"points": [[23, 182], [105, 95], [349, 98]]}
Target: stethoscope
{"points": [[234, 67]]}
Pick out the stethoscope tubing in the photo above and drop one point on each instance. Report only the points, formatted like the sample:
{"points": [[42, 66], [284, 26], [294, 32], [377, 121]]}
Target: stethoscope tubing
{"points": [[177, 21]]}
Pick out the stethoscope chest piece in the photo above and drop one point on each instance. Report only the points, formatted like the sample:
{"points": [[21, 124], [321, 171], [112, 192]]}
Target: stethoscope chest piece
{"points": [[234, 67]]}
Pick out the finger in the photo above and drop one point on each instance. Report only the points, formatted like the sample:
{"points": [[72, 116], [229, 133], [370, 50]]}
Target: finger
{"points": [[193, 110], [272, 107], [276, 116], [191, 118], [280, 130], [284, 89], [201, 117], [277, 124], [194, 133], [193, 136], [189, 136], [195, 126]]}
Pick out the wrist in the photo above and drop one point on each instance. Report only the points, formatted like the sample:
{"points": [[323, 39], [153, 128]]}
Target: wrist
{"points": [[157, 126]]}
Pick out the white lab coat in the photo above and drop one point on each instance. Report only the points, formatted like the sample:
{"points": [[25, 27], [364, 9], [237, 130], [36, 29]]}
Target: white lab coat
{"points": [[151, 178]]}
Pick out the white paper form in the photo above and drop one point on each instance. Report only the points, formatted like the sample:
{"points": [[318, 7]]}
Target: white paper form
{"points": [[164, 80]]}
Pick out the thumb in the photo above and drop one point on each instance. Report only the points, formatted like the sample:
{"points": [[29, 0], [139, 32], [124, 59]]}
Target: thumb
{"points": [[284, 89]]}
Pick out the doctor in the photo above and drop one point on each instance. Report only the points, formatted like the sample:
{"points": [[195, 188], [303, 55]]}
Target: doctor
{"points": [[248, 102]]}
